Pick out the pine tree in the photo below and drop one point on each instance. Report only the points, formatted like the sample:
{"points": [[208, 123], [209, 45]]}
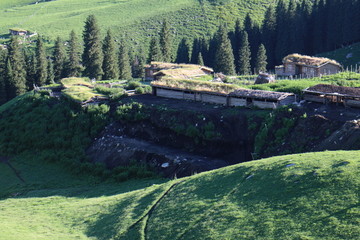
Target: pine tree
{"points": [[200, 60], [166, 42], [244, 55], [50, 72], [224, 53], [124, 62], [41, 69], [137, 66], [92, 56], [110, 64], [182, 55], [195, 50], [3, 94], [269, 35], [31, 67], [59, 57], [15, 69], [281, 49], [154, 51], [73, 66], [236, 41], [261, 59]]}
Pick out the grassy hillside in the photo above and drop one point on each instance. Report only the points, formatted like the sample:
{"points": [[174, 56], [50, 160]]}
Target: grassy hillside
{"points": [[135, 19], [347, 56], [306, 196]]}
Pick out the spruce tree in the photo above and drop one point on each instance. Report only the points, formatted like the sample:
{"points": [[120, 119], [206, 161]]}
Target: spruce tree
{"points": [[269, 34], [73, 66], [261, 59], [124, 62], [59, 57], [182, 55], [281, 49], [15, 69], [137, 66], [92, 56], [41, 69], [224, 53], [110, 64], [50, 72], [236, 42], [200, 60], [3, 84], [31, 67], [154, 51], [195, 51], [166, 42], [244, 55]]}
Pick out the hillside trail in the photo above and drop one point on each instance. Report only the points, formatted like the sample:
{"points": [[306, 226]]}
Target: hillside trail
{"points": [[6, 161]]}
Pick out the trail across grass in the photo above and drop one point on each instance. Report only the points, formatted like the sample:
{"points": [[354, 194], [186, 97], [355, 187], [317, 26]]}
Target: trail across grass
{"points": [[304, 196]]}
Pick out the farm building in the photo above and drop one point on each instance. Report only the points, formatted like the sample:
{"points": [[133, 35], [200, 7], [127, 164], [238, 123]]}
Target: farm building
{"points": [[18, 32], [324, 93], [260, 99], [306, 66], [158, 70], [222, 94]]}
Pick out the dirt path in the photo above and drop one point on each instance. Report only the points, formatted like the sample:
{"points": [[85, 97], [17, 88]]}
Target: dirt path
{"points": [[7, 162]]}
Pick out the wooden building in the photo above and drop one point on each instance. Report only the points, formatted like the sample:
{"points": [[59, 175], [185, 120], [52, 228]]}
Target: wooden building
{"points": [[18, 32], [260, 99], [306, 66], [324, 93], [240, 97], [158, 70]]}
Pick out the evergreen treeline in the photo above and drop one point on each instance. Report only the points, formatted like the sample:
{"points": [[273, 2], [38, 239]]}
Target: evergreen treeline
{"points": [[305, 27]]}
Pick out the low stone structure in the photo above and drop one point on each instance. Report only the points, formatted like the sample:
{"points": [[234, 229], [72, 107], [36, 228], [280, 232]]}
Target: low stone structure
{"points": [[263, 78], [324, 93], [306, 66]]}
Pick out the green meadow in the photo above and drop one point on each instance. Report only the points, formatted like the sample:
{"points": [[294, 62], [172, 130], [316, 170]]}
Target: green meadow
{"points": [[305, 196], [134, 20]]}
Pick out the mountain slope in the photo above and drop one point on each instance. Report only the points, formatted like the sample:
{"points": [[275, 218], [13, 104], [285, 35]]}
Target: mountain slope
{"points": [[348, 56], [305, 196], [136, 19]]}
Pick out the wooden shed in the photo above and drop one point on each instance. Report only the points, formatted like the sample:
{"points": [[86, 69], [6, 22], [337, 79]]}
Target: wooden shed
{"points": [[223, 94], [307, 66], [324, 93], [260, 98], [18, 32]]}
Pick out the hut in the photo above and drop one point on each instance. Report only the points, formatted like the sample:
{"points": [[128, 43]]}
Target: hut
{"points": [[260, 98], [220, 93], [159, 70], [307, 66], [324, 93], [18, 32]]}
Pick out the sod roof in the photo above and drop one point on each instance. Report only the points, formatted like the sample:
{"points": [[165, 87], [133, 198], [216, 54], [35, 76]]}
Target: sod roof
{"points": [[308, 60], [333, 89]]}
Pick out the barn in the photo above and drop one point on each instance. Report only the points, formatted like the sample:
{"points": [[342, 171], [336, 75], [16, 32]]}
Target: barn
{"points": [[324, 93]]}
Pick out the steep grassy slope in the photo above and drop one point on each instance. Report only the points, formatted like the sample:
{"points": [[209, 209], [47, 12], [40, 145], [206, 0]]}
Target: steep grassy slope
{"points": [[348, 56], [306, 196], [138, 19]]}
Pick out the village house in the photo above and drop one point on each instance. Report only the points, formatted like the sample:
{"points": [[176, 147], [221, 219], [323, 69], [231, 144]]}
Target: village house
{"points": [[158, 70], [306, 66], [324, 93], [18, 32]]}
